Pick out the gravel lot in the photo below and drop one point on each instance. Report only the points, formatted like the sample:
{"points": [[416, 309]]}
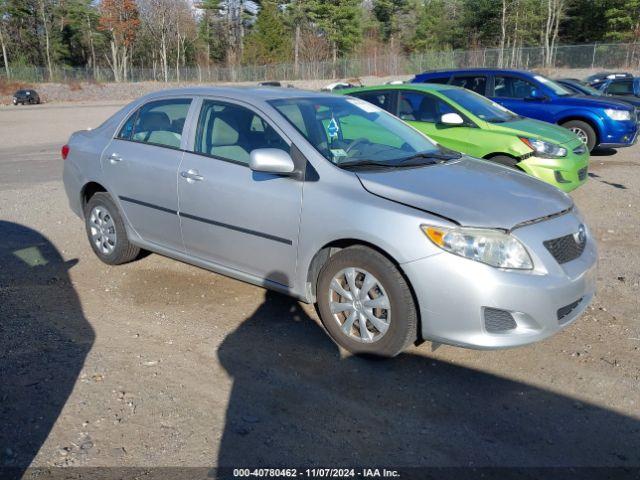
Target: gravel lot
{"points": [[161, 363]]}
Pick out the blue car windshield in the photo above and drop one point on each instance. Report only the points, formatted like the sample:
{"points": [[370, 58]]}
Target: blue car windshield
{"points": [[350, 131], [480, 106]]}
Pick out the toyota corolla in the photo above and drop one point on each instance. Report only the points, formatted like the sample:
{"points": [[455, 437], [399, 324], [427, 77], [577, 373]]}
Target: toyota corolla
{"points": [[334, 201]]}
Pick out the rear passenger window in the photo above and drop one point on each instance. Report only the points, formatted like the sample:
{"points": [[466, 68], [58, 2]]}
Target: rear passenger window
{"points": [[232, 132], [441, 80], [379, 99], [158, 123], [477, 83]]}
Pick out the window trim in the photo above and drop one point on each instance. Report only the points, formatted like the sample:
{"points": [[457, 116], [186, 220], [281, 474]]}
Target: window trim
{"points": [[495, 77], [136, 112], [199, 101]]}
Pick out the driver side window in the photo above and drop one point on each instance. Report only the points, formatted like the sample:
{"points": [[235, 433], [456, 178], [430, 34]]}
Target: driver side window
{"points": [[421, 107]]}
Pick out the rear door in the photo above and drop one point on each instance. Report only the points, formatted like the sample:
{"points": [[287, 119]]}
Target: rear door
{"points": [[515, 93], [140, 166], [231, 216]]}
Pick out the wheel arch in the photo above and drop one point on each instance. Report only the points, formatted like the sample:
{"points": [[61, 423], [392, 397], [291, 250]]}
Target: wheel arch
{"points": [[88, 190], [492, 155], [331, 248], [582, 118]]}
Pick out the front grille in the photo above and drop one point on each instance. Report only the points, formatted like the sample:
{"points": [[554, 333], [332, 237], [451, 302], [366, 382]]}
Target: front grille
{"points": [[498, 321], [567, 248], [567, 309], [582, 173]]}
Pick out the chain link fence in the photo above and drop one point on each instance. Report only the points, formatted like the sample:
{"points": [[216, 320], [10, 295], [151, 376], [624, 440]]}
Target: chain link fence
{"points": [[594, 56]]}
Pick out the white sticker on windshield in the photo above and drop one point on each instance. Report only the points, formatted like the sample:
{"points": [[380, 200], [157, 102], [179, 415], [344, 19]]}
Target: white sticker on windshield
{"points": [[362, 105]]}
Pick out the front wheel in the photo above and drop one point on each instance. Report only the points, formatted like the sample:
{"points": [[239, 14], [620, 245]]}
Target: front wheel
{"points": [[584, 131], [106, 231], [365, 303]]}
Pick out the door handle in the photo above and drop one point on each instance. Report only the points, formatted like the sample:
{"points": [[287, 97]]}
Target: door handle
{"points": [[115, 158], [191, 176]]}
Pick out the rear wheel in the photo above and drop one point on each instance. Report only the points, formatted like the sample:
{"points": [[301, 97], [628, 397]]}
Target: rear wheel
{"points": [[106, 231], [365, 303], [584, 131]]}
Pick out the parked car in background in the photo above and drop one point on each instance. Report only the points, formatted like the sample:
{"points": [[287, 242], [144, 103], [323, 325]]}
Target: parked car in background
{"points": [[467, 122], [620, 87], [582, 88], [602, 76], [26, 96], [603, 122], [337, 86], [395, 238]]}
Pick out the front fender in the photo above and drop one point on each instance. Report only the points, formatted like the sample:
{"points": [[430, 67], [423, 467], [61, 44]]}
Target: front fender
{"points": [[593, 118]]}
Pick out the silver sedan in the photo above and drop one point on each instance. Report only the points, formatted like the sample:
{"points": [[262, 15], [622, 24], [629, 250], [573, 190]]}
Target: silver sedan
{"points": [[333, 201]]}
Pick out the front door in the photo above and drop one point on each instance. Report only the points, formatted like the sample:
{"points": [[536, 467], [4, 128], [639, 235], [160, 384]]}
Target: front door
{"points": [[423, 111], [517, 95], [141, 165], [230, 215]]}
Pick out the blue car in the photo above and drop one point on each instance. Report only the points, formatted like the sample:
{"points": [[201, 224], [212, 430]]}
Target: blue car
{"points": [[598, 121]]}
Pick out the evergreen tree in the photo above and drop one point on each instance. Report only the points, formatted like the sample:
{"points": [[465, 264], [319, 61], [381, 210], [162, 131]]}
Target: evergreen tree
{"points": [[270, 39]]}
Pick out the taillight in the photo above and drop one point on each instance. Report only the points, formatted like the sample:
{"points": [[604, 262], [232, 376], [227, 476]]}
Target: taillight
{"points": [[64, 151]]}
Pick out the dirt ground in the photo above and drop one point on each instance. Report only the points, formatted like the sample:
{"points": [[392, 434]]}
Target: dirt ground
{"points": [[158, 363]]}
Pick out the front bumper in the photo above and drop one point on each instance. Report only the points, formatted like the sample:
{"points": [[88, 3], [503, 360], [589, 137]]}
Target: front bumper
{"points": [[619, 134], [453, 292], [566, 173]]}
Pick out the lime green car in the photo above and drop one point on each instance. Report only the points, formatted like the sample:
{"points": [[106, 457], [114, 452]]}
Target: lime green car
{"points": [[464, 121]]}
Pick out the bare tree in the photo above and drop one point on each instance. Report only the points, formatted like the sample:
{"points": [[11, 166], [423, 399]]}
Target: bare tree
{"points": [[5, 56], [556, 10], [45, 26]]}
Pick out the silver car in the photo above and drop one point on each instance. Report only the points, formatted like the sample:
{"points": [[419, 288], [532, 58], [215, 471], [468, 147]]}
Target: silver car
{"points": [[334, 201]]}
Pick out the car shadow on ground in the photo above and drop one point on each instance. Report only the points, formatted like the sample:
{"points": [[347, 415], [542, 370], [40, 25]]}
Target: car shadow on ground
{"points": [[44, 339], [603, 152], [296, 402]]}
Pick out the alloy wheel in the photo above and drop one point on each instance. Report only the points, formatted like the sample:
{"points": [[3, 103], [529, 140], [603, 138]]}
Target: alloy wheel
{"points": [[582, 135]]}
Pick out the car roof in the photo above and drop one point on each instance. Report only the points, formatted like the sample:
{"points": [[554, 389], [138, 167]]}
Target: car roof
{"points": [[431, 87], [474, 70], [240, 93]]}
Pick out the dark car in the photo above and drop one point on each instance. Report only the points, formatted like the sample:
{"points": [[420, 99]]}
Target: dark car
{"points": [[603, 76], [620, 87], [598, 121], [582, 88], [26, 96]]}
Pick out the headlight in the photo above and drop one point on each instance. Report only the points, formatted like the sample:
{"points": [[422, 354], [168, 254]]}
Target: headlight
{"points": [[492, 247], [618, 114], [545, 149]]}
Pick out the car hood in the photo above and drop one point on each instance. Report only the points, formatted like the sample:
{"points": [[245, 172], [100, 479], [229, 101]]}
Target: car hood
{"points": [[526, 127], [594, 102], [632, 99], [471, 192]]}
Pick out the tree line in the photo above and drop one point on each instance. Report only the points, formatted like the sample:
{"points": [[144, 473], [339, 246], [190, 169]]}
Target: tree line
{"points": [[170, 34]]}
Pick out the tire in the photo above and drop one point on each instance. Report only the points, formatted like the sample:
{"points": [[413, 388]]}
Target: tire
{"points": [[400, 317], [585, 131], [505, 160], [110, 244]]}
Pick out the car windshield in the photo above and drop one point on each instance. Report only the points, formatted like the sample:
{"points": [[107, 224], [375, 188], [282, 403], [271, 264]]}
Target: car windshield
{"points": [[480, 106], [555, 86], [590, 90], [350, 132]]}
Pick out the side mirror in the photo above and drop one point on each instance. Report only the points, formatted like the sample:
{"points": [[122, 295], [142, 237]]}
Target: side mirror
{"points": [[452, 119], [536, 96], [271, 160]]}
